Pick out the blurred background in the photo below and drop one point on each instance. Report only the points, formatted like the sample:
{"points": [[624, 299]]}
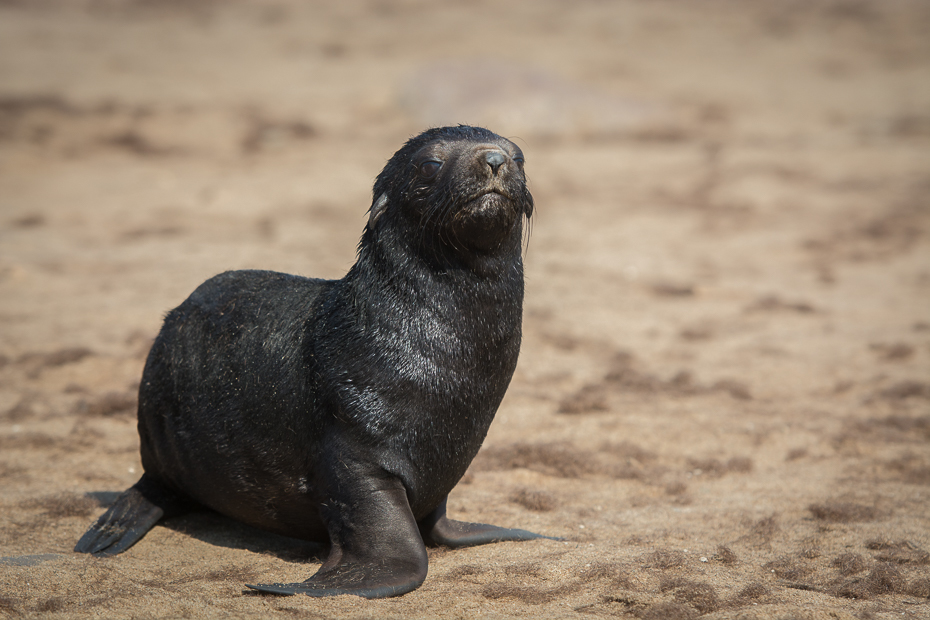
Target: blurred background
{"points": [[221, 135]]}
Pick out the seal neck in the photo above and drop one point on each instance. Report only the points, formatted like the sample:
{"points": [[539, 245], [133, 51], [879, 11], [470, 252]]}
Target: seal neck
{"points": [[391, 245], [389, 277]]}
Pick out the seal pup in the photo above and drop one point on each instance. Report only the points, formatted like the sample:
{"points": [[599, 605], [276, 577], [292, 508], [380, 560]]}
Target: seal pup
{"points": [[346, 410]]}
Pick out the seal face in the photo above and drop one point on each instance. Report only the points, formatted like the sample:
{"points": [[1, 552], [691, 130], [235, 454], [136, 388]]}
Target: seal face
{"points": [[490, 191], [346, 410]]}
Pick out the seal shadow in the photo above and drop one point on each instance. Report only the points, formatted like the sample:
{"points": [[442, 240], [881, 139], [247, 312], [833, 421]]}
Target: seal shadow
{"points": [[219, 530]]}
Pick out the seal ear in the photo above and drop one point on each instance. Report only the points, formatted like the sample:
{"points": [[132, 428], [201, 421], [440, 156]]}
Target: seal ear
{"points": [[528, 204], [377, 209]]}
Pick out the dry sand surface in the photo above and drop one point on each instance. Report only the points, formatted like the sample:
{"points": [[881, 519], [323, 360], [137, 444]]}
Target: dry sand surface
{"points": [[723, 399]]}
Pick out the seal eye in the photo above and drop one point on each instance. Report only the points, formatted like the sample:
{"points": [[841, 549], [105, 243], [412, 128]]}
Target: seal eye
{"points": [[430, 169], [518, 159]]}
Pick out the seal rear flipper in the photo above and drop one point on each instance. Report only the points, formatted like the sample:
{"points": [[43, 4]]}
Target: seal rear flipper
{"points": [[438, 529], [376, 550], [133, 514]]}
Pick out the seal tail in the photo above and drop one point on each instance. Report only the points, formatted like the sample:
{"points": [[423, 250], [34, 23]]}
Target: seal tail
{"points": [[133, 514]]}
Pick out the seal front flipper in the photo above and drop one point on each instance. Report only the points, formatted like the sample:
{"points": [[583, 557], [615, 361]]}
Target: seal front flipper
{"points": [[133, 514], [437, 529], [377, 551]]}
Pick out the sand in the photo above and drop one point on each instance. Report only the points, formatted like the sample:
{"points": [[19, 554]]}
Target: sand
{"points": [[723, 399]]}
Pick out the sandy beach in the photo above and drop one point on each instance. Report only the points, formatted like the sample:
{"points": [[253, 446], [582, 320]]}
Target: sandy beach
{"points": [[722, 404]]}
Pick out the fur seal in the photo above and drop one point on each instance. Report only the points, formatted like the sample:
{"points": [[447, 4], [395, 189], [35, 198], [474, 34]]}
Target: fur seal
{"points": [[346, 410]]}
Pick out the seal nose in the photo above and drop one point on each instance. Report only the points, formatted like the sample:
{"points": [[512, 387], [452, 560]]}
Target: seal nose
{"points": [[495, 159]]}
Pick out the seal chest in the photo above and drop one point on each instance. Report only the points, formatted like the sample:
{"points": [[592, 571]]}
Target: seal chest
{"points": [[346, 410]]}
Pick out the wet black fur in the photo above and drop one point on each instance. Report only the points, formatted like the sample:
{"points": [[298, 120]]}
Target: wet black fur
{"points": [[292, 403]]}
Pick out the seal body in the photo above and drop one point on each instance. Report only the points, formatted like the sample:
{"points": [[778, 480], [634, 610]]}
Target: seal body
{"points": [[346, 410]]}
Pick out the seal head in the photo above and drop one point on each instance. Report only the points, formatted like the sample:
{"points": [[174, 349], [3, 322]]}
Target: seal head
{"points": [[460, 190]]}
